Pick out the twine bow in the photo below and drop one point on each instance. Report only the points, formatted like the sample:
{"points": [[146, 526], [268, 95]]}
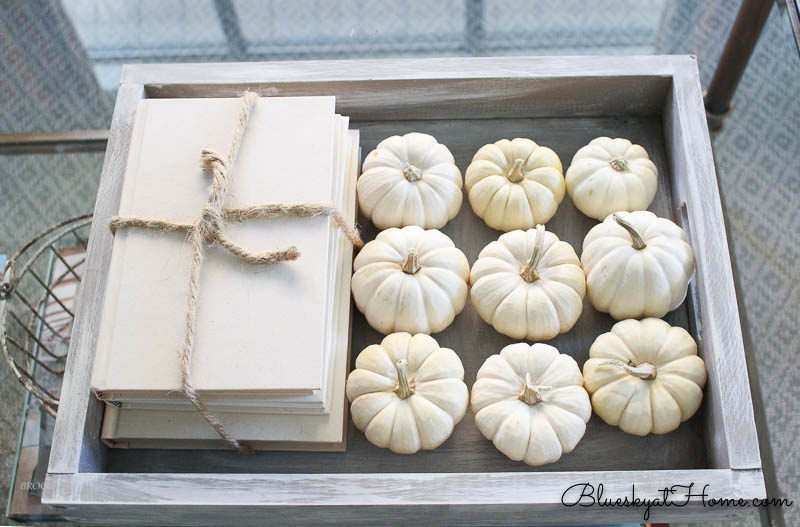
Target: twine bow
{"points": [[209, 228]]}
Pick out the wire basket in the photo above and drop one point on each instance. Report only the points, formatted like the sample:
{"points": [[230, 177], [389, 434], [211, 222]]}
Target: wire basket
{"points": [[38, 288]]}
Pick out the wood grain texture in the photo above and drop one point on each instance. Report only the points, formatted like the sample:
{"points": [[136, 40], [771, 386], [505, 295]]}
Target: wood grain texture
{"points": [[313, 71], [76, 447], [487, 98], [731, 430], [465, 481], [474, 340], [374, 499], [451, 88]]}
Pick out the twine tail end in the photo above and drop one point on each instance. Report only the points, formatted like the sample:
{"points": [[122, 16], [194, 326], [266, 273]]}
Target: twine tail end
{"points": [[292, 253], [112, 225]]}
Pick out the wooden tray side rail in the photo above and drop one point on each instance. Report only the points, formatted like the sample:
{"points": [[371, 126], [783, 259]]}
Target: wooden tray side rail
{"points": [[664, 87]]}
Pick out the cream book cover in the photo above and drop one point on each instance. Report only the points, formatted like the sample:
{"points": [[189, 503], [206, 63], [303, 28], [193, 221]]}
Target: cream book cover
{"points": [[138, 428], [346, 168], [260, 328]]}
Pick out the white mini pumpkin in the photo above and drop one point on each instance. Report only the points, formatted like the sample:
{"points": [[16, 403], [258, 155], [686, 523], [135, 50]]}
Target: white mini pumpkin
{"points": [[515, 184], [637, 265], [611, 175], [528, 285], [645, 376], [407, 393], [530, 402], [410, 180], [410, 279]]}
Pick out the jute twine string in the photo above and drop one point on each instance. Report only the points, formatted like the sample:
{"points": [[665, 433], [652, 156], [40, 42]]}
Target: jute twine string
{"points": [[208, 229]]}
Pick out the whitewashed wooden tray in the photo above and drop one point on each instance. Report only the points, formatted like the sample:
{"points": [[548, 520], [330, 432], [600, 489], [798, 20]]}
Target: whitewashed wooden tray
{"points": [[560, 102]]}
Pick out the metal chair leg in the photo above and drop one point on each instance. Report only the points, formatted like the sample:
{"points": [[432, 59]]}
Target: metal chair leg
{"points": [[742, 40]]}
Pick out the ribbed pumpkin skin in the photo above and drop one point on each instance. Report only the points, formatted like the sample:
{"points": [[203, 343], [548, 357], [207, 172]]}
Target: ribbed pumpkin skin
{"points": [[508, 205], [422, 421], [597, 188], [540, 433], [639, 406], [630, 283], [424, 302], [387, 196], [538, 310]]}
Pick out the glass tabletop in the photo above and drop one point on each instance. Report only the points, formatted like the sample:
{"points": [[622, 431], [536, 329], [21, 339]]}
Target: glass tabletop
{"points": [[61, 63]]}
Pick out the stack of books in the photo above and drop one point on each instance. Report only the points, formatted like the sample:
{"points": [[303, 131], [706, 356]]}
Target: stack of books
{"points": [[271, 341]]}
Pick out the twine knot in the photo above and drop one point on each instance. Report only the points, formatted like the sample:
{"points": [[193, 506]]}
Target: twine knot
{"points": [[209, 228], [209, 224], [212, 160]]}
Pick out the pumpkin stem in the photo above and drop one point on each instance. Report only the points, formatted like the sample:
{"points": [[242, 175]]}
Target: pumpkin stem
{"points": [[619, 163], [529, 272], [644, 370], [412, 173], [411, 265], [403, 389], [531, 394], [636, 238], [514, 173]]}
